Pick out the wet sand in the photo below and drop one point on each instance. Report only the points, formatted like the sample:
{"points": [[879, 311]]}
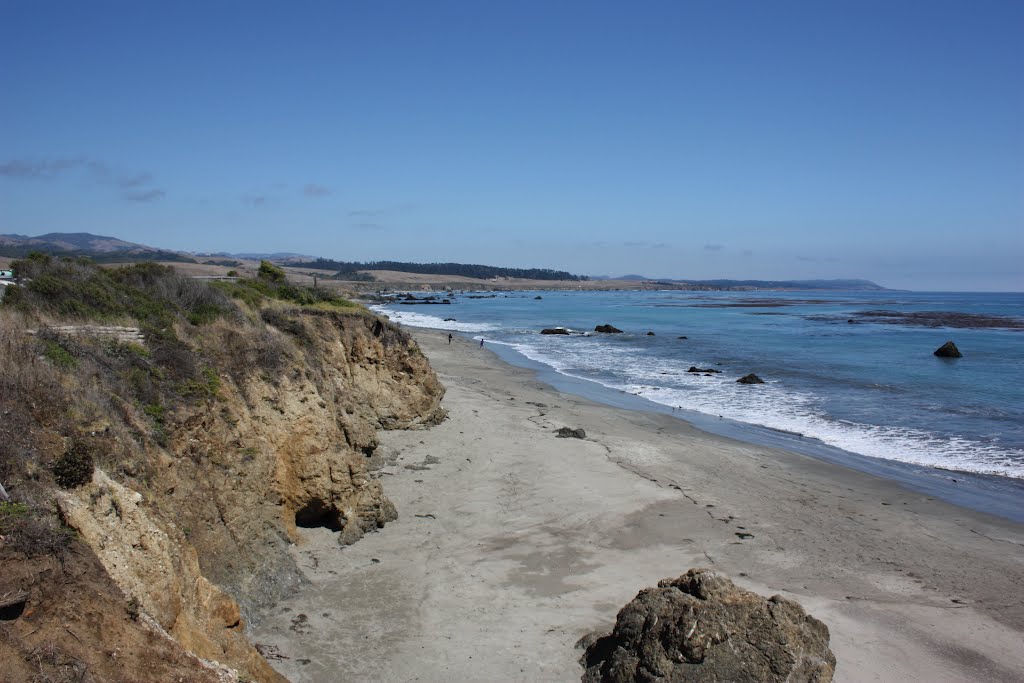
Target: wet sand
{"points": [[512, 544]]}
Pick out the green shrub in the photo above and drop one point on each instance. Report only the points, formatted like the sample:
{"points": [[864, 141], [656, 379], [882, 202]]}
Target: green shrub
{"points": [[152, 294], [58, 355], [268, 271], [133, 608], [74, 468], [207, 387], [10, 513]]}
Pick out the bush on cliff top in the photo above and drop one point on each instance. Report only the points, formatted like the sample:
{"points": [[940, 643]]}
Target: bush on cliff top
{"points": [[150, 293], [256, 291]]}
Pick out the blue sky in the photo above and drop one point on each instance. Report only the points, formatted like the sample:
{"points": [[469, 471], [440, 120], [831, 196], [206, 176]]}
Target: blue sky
{"points": [[675, 139]]}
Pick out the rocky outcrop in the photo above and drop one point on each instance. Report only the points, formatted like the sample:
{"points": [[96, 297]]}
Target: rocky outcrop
{"points": [[152, 562], [554, 330], [607, 329], [948, 350], [700, 627], [750, 379], [570, 433], [694, 368]]}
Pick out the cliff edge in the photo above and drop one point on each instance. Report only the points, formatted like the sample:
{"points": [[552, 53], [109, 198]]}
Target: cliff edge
{"points": [[162, 441]]}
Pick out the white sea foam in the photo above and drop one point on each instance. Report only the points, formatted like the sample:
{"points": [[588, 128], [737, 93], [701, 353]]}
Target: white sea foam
{"points": [[416, 319], [771, 405]]}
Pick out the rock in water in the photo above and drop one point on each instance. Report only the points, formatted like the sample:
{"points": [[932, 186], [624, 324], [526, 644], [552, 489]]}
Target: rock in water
{"points": [[750, 379], [570, 433], [554, 330], [948, 350], [701, 627], [608, 329]]}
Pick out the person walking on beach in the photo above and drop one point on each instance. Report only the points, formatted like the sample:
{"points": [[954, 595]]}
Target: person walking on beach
{"points": [[481, 343], [449, 339]]}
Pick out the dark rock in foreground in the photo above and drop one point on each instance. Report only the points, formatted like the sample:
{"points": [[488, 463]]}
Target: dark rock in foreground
{"points": [[750, 379], [948, 350], [570, 433], [701, 627], [554, 330], [694, 368], [608, 329], [650, 334]]}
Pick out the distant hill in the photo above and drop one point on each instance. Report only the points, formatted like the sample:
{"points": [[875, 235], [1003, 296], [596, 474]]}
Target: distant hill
{"points": [[99, 248], [349, 268], [285, 257], [840, 284]]}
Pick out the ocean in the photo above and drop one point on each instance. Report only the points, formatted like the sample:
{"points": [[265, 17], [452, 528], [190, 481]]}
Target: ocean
{"points": [[853, 371]]}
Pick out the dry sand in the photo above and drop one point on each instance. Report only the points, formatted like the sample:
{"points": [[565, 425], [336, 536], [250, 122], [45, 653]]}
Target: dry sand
{"points": [[512, 544]]}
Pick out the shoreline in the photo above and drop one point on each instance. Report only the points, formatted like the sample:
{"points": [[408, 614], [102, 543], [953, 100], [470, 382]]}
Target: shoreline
{"points": [[512, 544], [988, 493]]}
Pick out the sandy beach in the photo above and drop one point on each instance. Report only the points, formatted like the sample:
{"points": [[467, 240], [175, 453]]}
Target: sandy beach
{"points": [[512, 544]]}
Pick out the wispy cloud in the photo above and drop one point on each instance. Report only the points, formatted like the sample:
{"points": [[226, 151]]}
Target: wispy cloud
{"points": [[713, 247], [370, 213], [646, 245], [151, 195], [135, 184], [817, 259], [369, 226], [20, 168], [255, 199], [136, 181], [314, 190]]}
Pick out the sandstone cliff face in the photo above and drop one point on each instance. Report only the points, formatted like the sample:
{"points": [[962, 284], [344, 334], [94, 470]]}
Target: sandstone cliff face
{"points": [[195, 500], [289, 445]]}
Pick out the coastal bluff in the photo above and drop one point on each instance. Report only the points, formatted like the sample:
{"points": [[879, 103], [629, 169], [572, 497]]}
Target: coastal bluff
{"points": [[196, 458]]}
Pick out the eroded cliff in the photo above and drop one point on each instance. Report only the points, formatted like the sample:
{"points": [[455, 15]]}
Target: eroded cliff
{"points": [[183, 465]]}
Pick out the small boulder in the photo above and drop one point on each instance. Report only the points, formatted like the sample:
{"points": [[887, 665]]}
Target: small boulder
{"points": [[694, 368], [650, 334], [683, 337], [449, 320], [554, 330], [538, 298], [750, 379], [948, 350], [570, 433], [607, 329], [702, 627]]}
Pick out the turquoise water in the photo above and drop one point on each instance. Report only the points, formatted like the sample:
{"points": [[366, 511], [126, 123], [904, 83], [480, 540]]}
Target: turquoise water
{"points": [[869, 387]]}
